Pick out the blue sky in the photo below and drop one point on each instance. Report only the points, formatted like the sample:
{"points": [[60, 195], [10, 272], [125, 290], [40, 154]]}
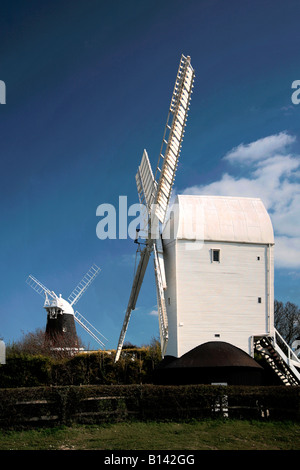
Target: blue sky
{"points": [[88, 86]]}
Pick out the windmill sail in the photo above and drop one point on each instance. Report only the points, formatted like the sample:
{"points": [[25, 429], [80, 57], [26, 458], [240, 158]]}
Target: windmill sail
{"points": [[136, 286], [87, 326], [154, 194], [145, 182], [173, 136], [39, 287], [160, 287], [84, 284]]}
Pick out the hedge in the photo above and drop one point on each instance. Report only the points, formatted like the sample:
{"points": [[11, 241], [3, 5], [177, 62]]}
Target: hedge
{"points": [[91, 388], [24, 370], [39, 406]]}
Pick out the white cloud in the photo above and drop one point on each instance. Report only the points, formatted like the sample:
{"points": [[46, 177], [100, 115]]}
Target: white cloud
{"points": [[287, 252], [261, 149], [274, 176], [154, 312]]}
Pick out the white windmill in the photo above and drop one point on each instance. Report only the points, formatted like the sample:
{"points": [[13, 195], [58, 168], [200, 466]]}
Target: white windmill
{"points": [[60, 312], [214, 264], [155, 192]]}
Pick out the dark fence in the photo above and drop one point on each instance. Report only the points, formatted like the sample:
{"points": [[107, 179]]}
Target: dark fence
{"points": [[47, 406]]}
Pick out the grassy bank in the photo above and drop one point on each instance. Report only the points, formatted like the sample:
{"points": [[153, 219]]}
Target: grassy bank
{"points": [[196, 435]]}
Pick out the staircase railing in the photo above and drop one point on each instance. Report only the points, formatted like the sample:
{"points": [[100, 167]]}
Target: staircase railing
{"points": [[289, 357]]}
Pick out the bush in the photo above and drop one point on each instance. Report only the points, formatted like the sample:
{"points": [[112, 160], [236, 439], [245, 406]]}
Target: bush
{"points": [[26, 371], [136, 365]]}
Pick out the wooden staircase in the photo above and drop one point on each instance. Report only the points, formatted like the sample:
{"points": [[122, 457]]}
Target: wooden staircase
{"points": [[280, 357]]}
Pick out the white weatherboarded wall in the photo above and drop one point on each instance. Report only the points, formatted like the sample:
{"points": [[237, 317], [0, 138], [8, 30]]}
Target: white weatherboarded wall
{"points": [[228, 300]]}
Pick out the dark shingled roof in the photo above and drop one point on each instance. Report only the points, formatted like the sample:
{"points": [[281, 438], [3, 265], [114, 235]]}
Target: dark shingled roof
{"points": [[211, 354]]}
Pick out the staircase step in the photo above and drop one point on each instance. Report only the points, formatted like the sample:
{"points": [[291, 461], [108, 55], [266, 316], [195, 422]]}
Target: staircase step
{"points": [[266, 349]]}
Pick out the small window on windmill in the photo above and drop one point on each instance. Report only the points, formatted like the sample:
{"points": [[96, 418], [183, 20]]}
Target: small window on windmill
{"points": [[215, 256]]}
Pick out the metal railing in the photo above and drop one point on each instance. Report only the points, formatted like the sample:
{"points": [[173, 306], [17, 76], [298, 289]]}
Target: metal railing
{"points": [[280, 345]]}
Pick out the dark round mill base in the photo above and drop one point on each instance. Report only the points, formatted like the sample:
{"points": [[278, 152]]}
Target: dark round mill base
{"points": [[214, 362]]}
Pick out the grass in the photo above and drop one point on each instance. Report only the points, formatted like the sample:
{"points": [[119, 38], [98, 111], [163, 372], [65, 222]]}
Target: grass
{"points": [[196, 435]]}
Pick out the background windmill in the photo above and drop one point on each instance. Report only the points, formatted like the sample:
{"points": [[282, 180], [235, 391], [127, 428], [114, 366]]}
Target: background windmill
{"points": [[61, 316], [155, 192]]}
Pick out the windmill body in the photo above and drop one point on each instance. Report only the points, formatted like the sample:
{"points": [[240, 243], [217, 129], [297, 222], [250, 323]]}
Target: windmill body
{"points": [[210, 286], [60, 325], [219, 265], [61, 317], [214, 272]]}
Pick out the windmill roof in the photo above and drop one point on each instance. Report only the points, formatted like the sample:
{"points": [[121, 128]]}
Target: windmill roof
{"points": [[211, 354], [220, 218]]}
